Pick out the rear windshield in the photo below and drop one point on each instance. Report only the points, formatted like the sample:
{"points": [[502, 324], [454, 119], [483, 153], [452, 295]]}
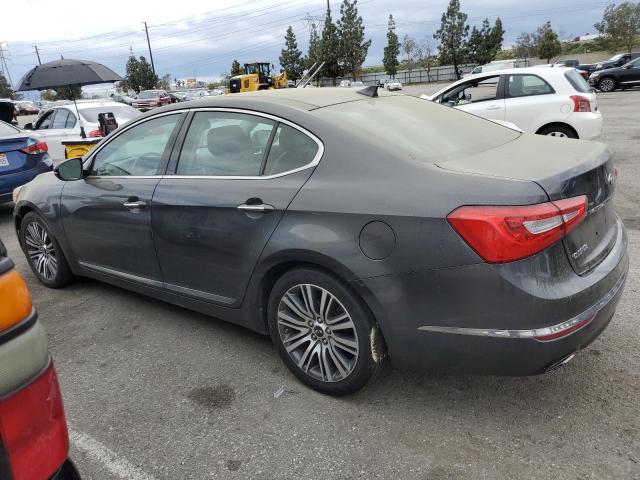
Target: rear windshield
{"points": [[577, 81], [149, 94], [6, 129], [123, 113], [419, 128]]}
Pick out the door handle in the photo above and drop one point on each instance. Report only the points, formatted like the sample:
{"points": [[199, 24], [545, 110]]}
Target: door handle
{"points": [[261, 208], [136, 204], [494, 107]]}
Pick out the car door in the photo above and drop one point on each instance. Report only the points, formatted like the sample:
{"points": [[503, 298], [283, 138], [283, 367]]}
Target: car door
{"points": [[630, 76], [480, 96], [234, 177], [107, 214], [531, 102], [56, 128]]}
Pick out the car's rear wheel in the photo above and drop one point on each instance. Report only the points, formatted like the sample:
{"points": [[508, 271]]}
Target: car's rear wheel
{"points": [[561, 131], [322, 331], [43, 252], [607, 84]]}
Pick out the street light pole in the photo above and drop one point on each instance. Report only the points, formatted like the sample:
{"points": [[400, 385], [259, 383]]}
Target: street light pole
{"points": [[146, 29]]}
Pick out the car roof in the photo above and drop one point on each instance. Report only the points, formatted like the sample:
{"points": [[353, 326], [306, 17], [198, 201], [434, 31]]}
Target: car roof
{"points": [[298, 98]]}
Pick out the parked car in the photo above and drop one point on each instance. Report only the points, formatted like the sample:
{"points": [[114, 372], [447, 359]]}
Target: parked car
{"points": [[22, 157], [348, 230], [177, 97], [548, 101], [392, 84], [151, 98], [126, 99], [617, 61], [26, 107], [357, 85], [33, 428], [622, 77], [345, 83], [60, 123]]}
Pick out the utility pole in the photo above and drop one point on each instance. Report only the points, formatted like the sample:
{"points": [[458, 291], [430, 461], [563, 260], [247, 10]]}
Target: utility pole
{"points": [[3, 66], [146, 29], [38, 54]]}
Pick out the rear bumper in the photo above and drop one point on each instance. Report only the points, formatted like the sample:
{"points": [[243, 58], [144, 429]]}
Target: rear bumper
{"points": [[10, 181], [587, 124], [479, 318]]}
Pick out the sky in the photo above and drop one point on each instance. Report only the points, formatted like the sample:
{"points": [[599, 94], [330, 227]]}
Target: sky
{"points": [[200, 38]]}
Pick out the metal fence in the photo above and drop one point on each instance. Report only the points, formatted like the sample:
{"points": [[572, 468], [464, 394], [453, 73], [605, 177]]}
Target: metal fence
{"points": [[418, 75]]}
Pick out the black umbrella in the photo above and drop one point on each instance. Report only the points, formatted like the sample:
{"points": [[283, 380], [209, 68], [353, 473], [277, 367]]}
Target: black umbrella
{"points": [[62, 73]]}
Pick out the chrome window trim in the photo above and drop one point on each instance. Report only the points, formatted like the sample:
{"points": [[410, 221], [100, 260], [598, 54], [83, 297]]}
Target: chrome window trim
{"points": [[314, 162]]}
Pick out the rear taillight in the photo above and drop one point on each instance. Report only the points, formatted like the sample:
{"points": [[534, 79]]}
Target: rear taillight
{"points": [[580, 103], [95, 133], [35, 148], [504, 234], [15, 299], [33, 428]]}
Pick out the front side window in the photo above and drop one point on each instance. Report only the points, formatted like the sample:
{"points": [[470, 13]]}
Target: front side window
{"points": [[44, 122], [60, 120], [473, 91], [225, 144], [290, 149], [527, 85], [137, 151]]}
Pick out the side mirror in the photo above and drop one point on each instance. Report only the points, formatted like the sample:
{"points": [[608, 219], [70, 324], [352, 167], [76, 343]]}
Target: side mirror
{"points": [[69, 169], [28, 126]]}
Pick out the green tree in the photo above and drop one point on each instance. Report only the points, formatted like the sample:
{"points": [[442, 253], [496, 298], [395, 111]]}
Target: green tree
{"points": [[330, 49], [621, 24], [313, 53], [290, 57], [392, 50], [353, 47], [484, 44], [5, 89], [236, 69], [148, 80], [452, 35], [548, 44]]}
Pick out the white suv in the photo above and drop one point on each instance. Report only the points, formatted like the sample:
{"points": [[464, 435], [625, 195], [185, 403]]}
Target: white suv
{"points": [[548, 101]]}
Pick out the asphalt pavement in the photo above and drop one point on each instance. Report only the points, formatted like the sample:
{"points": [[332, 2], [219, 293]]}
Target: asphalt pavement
{"points": [[154, 391]]}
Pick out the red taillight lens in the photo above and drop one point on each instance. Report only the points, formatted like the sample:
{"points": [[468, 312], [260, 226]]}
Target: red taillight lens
{"points": [[505, 234], [95, 133], [580, 103], [37, 147], [34, 429]]}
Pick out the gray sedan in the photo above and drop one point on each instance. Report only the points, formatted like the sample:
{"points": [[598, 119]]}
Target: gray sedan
{"points": [[349, 227]]}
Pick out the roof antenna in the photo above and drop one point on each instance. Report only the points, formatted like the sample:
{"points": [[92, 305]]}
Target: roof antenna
{"points": [[370, 91]]}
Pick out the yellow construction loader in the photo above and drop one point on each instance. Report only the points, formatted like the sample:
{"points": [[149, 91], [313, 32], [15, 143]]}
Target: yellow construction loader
{"points": [[257, 76]]}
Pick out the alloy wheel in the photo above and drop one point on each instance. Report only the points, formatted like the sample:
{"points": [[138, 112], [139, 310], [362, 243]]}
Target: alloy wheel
{"points": [[606, 85], [318, 332], [557, 134], [40, 251]]}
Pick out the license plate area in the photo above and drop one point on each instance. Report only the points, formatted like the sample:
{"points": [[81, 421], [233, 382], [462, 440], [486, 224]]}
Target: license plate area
{"points": [[4, 161]]}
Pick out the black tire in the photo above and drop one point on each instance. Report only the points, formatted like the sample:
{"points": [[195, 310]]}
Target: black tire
{"points": [[607, 84], [361, 366], [62, 276], [558, 130]]}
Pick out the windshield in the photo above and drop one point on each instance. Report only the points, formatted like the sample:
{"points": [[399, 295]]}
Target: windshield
{"points": [[417, 128], [149, 94], [123, 113], [616, 57]]}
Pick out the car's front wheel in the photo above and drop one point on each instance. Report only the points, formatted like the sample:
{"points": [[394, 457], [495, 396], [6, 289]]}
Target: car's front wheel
{"points": [[323, 332], [43, 252], [607, 84]]}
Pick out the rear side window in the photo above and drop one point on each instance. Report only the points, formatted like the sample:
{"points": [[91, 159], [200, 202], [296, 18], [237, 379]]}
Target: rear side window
{"points": [[527, 85], [225, 144], [577, 81], [291, 149]]}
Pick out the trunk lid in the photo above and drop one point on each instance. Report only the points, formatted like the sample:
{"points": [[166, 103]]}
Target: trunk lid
{"points": [[12, 160], [563, 168]]}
